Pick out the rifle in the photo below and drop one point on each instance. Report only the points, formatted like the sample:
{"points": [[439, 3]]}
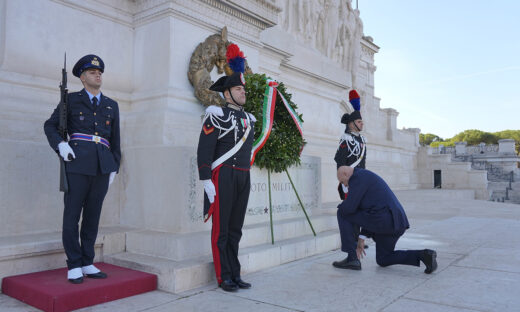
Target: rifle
{"points": [[62, 128]]}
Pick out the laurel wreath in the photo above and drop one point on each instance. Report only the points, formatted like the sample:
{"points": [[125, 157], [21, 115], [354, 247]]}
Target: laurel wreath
{"points": [[283, 147]]}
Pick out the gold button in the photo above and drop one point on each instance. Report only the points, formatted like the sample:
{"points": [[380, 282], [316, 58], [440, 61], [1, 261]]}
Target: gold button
{"points": [[94, 114], [95, 133], [81, 113]]}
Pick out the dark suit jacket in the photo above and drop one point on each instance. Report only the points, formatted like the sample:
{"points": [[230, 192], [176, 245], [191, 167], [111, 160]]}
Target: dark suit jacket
{"points": [[370, 194], [83, 117]]}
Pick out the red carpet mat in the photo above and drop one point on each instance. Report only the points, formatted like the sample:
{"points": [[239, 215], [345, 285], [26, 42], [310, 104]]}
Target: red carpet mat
{"points": [[51, 291]]}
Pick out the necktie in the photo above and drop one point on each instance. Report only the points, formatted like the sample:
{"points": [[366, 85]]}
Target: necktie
{"points": [[94, 101]]}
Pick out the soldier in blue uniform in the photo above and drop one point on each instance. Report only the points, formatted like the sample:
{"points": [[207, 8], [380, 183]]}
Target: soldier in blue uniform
{"points": [[223, 157], [372, 210], [94, 150]]}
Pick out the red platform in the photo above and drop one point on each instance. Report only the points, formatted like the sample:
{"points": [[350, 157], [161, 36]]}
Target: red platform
{"points": [[50, 290]]}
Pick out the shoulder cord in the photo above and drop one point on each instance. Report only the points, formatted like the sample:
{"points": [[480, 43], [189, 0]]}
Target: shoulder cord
{"points": [[353, 148], [216, 120]]}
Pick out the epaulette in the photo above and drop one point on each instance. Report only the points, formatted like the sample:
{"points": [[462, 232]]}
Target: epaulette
{"points": [[215, 110], [253, 119], [346, 137]]}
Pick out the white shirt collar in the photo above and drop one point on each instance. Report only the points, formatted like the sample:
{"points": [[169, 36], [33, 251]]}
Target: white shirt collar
{"points": [[90, 96]]}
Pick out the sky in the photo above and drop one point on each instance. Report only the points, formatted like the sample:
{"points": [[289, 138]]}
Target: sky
{"points": [[447, 65]]}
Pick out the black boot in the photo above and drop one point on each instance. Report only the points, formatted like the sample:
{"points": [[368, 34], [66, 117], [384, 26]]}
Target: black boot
{"points": [[228, 285], [78, 280], [429, 258], [241, 284]]}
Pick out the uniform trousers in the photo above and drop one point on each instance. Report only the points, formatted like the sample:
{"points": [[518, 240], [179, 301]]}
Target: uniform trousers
{"points": [[232, 186], [378, 226], [84, 199]]}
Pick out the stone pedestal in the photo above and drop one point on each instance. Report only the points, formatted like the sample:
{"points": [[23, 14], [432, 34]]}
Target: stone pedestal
{"points": [[506, 146], [460, 148]]}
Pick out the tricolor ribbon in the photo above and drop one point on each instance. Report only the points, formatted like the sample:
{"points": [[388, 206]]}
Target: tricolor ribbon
{"points": [[268, 116]]}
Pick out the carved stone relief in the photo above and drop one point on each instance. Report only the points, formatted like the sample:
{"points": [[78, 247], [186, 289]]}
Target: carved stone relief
{"points": [[332, 27]]}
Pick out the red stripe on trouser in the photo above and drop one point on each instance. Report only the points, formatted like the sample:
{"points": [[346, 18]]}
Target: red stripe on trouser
{"points": [[214, 210]]}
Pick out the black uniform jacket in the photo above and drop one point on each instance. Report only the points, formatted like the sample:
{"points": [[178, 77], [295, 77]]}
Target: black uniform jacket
{"points": [[349, 151], [83, 117], [217, 121]]}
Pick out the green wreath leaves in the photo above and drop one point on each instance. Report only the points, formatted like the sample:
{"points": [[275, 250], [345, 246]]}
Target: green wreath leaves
{"points": [[282, 148]]}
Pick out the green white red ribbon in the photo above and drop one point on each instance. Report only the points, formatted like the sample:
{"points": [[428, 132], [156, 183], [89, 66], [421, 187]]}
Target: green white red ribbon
{"points": [[268, 117]]}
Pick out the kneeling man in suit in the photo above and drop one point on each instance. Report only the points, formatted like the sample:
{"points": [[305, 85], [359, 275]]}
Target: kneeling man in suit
{"points": [[371, 210]]}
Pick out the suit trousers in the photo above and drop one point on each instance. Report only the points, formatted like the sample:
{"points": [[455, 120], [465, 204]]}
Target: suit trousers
{"points": [[84, 199], [232, 187], [380, 227]]}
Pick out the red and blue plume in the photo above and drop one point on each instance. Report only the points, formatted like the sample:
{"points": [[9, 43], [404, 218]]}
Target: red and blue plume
{"points": [[235, 58], [353, 98]]}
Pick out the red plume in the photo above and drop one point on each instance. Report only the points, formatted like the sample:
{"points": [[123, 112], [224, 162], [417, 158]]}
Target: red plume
{"points": [[233, 51]]}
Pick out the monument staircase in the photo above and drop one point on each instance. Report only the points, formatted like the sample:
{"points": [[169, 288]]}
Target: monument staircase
{"points": [[502, 185], [500, 162], [180, 261], [184, 261]]}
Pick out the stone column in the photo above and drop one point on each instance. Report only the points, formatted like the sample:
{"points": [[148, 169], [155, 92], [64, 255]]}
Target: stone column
{"points": [[391, 123]]}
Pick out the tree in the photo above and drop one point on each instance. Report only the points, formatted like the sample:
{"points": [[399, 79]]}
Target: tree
{"points": [[472, 137], [428, 138], [475, 137]]}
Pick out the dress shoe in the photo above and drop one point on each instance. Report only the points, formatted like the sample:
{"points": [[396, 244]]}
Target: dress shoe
{"points": [[429, 258], [346, 264], [92, 272], [78, 280], [241, 283], [97, 275], [75, 276], [228, 285]]}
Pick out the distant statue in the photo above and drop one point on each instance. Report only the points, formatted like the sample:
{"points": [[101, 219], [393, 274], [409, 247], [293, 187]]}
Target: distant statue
{"points": [[331, 26], [482, 145], [354, 54]]}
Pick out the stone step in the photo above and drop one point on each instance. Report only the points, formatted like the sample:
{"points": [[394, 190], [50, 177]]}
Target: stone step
{"points": [[515, 186], [20, 254], [497, 186], [180, 247], [178, 276]]}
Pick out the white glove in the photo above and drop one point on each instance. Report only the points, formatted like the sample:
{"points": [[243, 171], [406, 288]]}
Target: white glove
{"points": [[65, 150], [111, 178], [209, 188], [345, 188]]}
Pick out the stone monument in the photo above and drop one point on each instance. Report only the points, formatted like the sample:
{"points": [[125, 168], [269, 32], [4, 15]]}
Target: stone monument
{"points": [[151, 219]]}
